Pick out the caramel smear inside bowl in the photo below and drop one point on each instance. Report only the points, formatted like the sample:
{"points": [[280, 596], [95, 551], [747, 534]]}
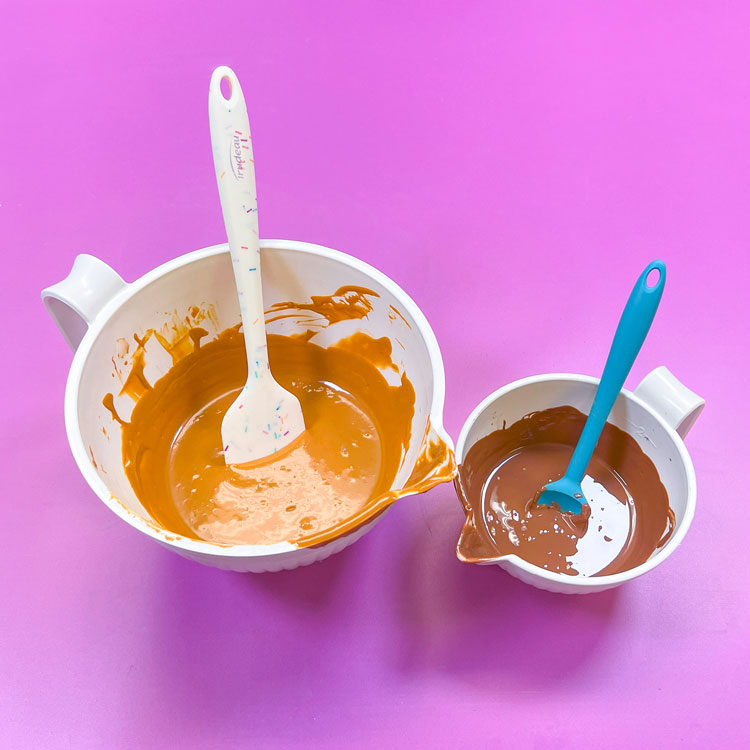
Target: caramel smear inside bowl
{"points": [[358, 428], [359, 408]]}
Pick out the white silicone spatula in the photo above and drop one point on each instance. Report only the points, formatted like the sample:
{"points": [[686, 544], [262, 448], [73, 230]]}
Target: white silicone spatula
{"points": [[264, 418]]}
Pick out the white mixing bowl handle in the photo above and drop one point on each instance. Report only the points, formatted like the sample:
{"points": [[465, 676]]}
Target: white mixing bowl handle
{"points": [[679, 406], [75, 301]]}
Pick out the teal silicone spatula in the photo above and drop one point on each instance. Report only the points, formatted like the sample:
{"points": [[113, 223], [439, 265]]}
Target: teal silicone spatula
{"points": [[631, 333]]}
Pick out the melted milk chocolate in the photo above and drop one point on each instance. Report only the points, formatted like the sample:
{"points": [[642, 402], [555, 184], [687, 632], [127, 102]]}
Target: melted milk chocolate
{"points": [[626, 518], [333, 478]]}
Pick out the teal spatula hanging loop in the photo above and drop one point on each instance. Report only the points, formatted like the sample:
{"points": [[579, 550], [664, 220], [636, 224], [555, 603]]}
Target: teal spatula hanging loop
{"points": [[631, 332]]}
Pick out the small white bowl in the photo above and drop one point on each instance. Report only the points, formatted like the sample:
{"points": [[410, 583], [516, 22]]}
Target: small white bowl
{"points": [[658, 415]]}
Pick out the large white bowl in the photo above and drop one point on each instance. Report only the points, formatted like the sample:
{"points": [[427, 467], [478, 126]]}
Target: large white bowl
{"points": [[94, 307]]}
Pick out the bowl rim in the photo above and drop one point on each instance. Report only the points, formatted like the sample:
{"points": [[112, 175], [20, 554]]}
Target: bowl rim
{"points": [[581, 582], [129, 290]]}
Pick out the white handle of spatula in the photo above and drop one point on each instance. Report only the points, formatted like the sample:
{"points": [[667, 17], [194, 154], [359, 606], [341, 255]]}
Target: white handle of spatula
{"points": [[235, 176]]}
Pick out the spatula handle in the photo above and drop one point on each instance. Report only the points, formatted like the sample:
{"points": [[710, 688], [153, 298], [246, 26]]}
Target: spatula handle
{"points": [[235, 176], [631, 332]]}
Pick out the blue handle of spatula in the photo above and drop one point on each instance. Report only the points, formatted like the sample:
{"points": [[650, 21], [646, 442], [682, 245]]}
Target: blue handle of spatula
{"points": [[629, 337]]}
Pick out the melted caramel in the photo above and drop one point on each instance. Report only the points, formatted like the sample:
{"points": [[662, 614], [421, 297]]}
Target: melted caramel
{"points": [[335, 477], [346, 303], [172, 445]]}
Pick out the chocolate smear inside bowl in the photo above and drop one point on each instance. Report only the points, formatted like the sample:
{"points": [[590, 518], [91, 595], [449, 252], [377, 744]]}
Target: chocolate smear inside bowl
{"points": [[626, 514]]}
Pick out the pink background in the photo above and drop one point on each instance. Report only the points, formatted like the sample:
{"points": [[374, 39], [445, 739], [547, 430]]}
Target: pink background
{"points": [[493, 158]]}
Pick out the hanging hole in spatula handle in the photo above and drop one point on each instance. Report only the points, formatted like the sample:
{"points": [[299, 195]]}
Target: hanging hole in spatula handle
{"points": [[654, 276], [225, 87]]}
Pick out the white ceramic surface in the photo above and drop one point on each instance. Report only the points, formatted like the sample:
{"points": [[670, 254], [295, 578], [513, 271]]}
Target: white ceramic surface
{"points": [[94, 308], [652, 414]]}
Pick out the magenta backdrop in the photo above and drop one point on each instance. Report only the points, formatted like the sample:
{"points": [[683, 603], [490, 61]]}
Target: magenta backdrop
{"points": [[492, 159]]}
